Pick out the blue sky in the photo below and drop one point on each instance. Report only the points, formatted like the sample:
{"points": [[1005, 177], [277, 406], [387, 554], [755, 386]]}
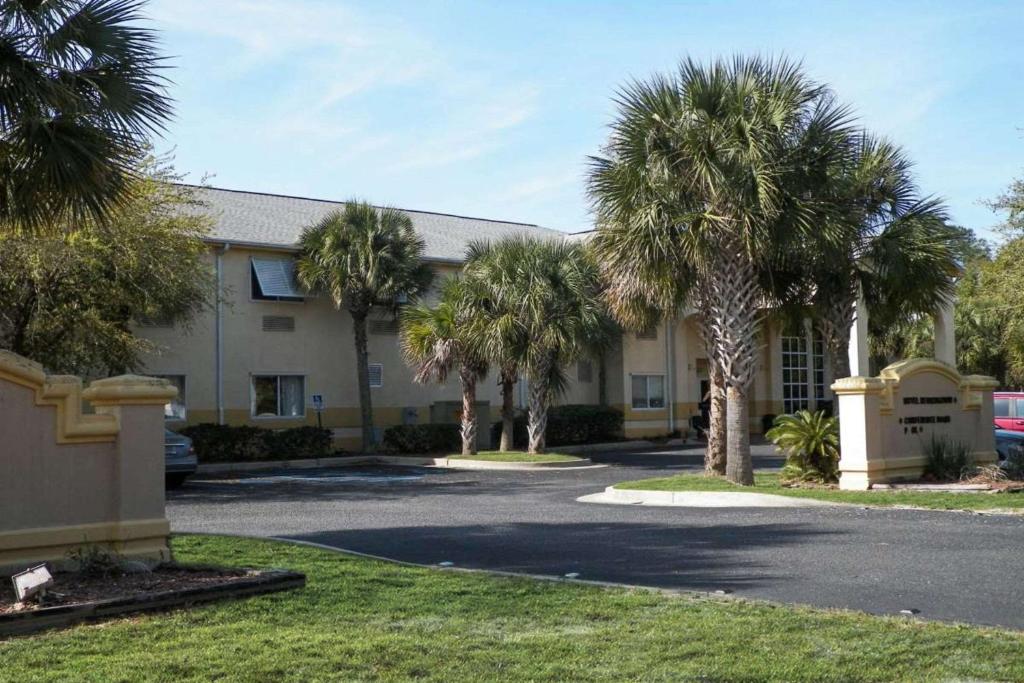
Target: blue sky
{"points": [[490, 109]]}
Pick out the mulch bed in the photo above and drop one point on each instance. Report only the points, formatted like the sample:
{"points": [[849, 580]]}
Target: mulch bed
{"points": [[76, 597]]}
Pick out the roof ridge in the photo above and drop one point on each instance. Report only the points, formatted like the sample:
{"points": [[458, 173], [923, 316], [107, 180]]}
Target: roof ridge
{"points": [[336, 201]]}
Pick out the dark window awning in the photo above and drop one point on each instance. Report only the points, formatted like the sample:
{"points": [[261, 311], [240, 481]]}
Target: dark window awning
{"points": [[276, 277]]}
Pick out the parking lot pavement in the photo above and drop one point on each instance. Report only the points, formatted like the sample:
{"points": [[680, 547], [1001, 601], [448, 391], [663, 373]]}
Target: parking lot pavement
{"points": [[953, 566]]}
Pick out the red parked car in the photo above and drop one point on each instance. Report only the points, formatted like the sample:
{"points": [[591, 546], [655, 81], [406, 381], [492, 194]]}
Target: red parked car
{"points": [[1009, 410]]}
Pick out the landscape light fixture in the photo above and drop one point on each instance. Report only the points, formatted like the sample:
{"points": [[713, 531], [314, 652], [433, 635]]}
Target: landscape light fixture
{"points": [[31, 582]]}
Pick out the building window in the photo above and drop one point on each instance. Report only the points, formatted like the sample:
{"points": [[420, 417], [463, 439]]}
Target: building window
{"points": [[584, 371], [175, 410], [273, 279], [794, 373], [278, 396], [376, 375], [818, 360], [648, 391]]}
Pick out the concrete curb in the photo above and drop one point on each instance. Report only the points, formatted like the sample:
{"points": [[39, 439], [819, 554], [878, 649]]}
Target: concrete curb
{"points": [[702, 499], [492, 465], [637, 445]]}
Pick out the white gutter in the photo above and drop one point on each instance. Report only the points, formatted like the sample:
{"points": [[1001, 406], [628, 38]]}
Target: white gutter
{"points": [[219, 333], [670, 370]]}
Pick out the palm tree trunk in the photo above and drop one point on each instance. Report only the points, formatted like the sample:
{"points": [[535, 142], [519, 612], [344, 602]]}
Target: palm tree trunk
{"points": [[507, 412], [739, 469], [538, 419], [715, 456], [468, 379], [734, 315], [537, 424], [834, 326], [363, 378]]}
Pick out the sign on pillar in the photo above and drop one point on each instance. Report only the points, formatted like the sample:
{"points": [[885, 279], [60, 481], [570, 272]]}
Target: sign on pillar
{"points": [[887, 421]]}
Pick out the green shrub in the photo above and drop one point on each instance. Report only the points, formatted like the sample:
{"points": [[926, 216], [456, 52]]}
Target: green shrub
{"points": [[425, 438], [569, 425], [226, 443], [946, 460], [766, 422], [810, 442]]}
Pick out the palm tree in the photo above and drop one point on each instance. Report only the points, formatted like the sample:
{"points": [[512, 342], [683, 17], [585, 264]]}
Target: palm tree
{"points": [[717, 171], [80, 91], [546, 298], [363, 257], [897, 251], [438, 339]]}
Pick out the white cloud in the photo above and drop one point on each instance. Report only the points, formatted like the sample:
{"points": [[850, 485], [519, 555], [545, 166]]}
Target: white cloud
{"points": [[322, 58]]}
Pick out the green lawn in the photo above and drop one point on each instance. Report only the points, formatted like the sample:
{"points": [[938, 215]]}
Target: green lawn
{"points": [[361, 619], [769, 483], [515, 456]]}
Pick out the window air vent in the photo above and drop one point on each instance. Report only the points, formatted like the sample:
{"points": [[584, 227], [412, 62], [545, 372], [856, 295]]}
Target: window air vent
{"points": [[384, 327], [278, 323]]}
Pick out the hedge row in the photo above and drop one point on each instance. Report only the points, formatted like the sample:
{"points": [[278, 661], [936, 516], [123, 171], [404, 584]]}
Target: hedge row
{"points": [[569, 425], [423, 438], [225, 443]]}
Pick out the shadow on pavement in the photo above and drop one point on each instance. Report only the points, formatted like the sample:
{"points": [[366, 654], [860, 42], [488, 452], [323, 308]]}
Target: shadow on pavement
{"points": [[683, 556]]}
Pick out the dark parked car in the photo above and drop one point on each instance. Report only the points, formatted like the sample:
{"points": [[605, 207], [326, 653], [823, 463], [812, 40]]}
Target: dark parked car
{"points": [[1006, 441], [180, 458]]}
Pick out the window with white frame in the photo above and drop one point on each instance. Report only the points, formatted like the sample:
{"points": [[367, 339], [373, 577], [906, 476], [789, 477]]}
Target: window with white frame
{"points": [[818, 363], [273, 279], [584, 371], [278, 396], [175, 410], [794, 373], [648, 391], [376, 375]]}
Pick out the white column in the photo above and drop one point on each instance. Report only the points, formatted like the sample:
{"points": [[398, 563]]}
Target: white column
{"points": [[945, 337], [859, 340]]}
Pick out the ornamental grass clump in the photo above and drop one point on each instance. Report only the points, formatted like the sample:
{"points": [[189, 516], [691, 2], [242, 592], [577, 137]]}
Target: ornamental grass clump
{"points": [[810, 442], [946, 460]]}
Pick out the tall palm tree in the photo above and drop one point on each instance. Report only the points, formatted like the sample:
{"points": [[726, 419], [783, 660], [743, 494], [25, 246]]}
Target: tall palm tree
{"points": [[723, 168], [363, 257], [436, 340], [897, 251], [547, 299], [81, 89]]}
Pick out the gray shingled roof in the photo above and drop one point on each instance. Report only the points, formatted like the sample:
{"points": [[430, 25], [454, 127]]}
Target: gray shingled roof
{"points": [[277, 220]]}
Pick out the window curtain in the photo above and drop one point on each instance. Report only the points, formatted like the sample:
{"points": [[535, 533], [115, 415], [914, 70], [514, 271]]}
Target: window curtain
{"points": [[292, 397]]}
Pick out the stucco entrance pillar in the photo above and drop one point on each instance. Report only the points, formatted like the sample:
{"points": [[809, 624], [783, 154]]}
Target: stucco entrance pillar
{"points": [[945, 337], [858, 349]]}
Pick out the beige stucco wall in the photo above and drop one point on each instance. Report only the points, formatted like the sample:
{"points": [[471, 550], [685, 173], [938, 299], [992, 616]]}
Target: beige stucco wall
{"points": [[321, 349], [67, 478]]}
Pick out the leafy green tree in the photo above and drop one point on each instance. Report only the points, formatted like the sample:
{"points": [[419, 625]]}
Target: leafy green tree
{"points": [[437, 340], [363, 257], [715, 174], [71, 300], [546, 296], [81, 89]]}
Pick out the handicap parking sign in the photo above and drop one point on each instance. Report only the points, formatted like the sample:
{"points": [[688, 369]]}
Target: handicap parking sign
{"points": [[318, 402]]}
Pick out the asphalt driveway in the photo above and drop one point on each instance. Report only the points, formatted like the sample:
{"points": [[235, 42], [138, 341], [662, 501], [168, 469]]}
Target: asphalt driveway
{"points": [[944, 565]]}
